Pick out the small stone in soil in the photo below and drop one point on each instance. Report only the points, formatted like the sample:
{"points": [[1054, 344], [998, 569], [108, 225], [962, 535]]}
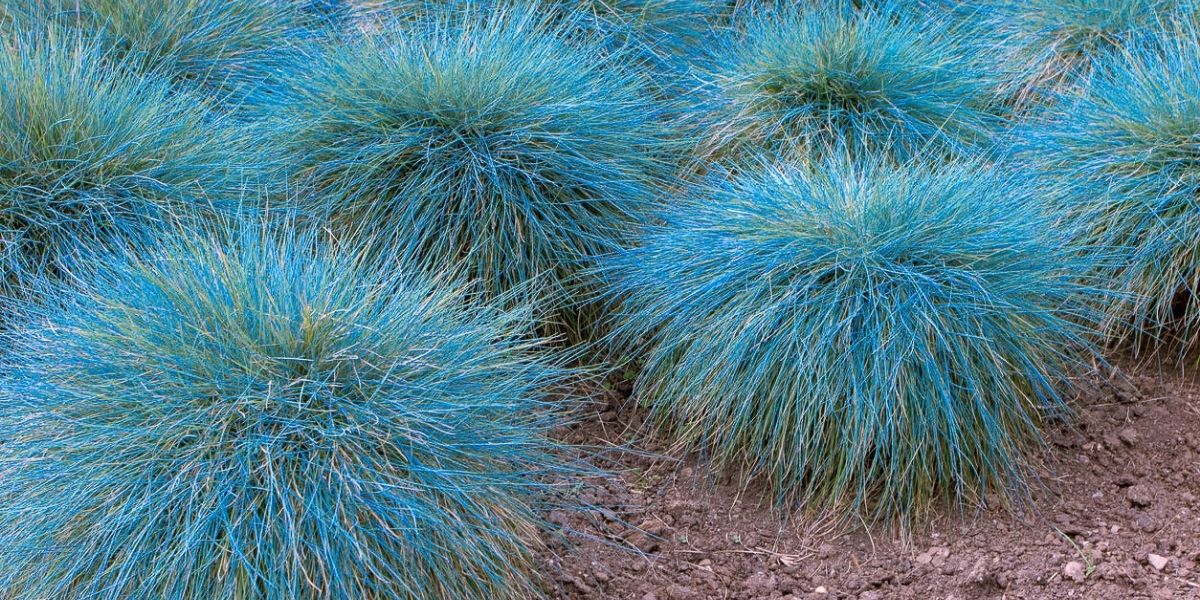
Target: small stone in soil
{"points": [[1128, 435], [1139, 496], [1067, 525], [643, 542], [1074, 570], [1146, 523], [1158, 562]]}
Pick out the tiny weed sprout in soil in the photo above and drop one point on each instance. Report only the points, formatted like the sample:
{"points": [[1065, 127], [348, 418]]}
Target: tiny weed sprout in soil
{"points": [[486, 144], [1047, 48], [89, 151], [873, 339], [879, 79], [251, 415], [233, 51], [1126, 153]]}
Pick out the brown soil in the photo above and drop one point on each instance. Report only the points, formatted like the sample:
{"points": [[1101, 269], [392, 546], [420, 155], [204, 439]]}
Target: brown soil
{"points": [[1118, 517]]}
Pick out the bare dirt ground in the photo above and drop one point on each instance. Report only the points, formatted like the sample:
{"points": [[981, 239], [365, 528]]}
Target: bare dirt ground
{"points": [[1118, 517]]}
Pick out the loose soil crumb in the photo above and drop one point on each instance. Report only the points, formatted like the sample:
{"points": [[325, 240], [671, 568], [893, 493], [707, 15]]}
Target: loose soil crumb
{"points": [[1118, 518]]}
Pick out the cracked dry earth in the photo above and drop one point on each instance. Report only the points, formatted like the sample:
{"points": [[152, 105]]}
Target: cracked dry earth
{"points": [[1118, 518]]}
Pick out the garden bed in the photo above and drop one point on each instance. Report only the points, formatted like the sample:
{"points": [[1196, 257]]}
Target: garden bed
{"points": [[1121, 494]]}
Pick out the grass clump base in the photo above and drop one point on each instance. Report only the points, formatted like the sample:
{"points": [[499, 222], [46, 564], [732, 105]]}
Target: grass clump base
{"points": [[874, 340], [249, 415]]}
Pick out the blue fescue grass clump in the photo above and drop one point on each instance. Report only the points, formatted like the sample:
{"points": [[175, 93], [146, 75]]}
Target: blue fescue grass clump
{"points": [[487, 143], [88, 150], [661, 36], [328, 13], [1051, 47], [880, 79], [251, 415], [231, 50], [1125, 158], [665, 37], [863, 337], [742, 9]]}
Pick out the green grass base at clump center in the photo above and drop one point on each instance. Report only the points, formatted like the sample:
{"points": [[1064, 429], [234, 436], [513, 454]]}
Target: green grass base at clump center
{"points": [[880, 80]]}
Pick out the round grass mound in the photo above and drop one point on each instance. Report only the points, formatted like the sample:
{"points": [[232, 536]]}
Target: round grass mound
{"points": [[1048, 48], [871, 339], [1125, 158], [878, 79], [253, 416], [88, 151], [665, 37], [233, 51], [322, 14], [486, 143], [659, 35]]}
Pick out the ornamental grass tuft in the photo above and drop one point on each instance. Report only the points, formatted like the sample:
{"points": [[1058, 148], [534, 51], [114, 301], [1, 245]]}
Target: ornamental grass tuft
{"points": [[870, 339], [877, 79], [661, 36], [224, 416], [1050, 48], [1124, 157], [664, 37], [484, 144], [327, 13], [88, 150], [233, 51]]}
